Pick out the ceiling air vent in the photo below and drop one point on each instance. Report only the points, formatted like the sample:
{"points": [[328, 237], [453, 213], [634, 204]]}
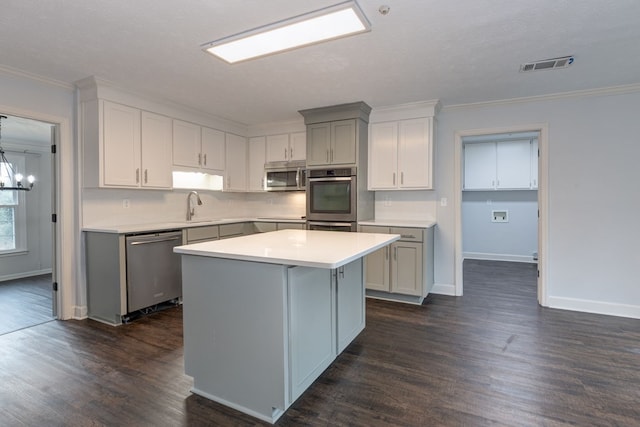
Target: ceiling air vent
{"points": [[547, 64]]}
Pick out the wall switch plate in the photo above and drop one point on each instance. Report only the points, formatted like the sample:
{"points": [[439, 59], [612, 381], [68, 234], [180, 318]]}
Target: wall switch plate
{"points": [[443, 201]]}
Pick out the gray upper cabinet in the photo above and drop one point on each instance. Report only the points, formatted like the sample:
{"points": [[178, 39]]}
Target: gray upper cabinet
{"points": [[337, 135]]}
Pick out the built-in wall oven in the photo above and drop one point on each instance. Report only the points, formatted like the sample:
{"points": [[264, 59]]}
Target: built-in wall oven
{"points": [[331, 199], [285, 176]]}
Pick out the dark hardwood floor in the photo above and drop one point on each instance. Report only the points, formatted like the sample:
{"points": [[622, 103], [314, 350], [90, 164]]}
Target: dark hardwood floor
{"points": [[492, 357], [25, 302]]}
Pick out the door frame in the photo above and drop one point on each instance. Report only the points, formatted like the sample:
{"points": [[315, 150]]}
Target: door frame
{"points": [[65, 237], [543, 200]]}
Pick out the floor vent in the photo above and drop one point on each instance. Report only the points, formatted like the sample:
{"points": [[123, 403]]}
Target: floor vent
{"points": [[547, 64]]}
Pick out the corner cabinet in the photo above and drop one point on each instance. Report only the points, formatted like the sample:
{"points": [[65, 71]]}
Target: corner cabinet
{"points": [[401, 147], [402, 271], [125, 147]]}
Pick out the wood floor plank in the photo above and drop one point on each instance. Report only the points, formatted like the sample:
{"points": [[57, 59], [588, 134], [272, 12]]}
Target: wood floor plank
{"points": [[492, 357]]}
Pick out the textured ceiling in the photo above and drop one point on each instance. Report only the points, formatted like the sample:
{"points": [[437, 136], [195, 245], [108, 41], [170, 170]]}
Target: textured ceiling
{"points": [[459, 51]]}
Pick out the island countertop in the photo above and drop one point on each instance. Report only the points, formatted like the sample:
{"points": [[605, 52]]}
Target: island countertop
{"points": [[307, 248]]}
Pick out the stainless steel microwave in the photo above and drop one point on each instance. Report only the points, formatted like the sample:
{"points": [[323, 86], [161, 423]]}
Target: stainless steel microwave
{"points": [[285, 176]]}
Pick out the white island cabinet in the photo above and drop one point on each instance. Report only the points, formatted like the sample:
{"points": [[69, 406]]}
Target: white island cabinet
{"points": [[266, 314]]}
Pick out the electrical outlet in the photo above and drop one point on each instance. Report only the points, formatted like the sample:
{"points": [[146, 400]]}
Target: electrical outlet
{"points": [[387, 202], [126, 203], [443, 201]]}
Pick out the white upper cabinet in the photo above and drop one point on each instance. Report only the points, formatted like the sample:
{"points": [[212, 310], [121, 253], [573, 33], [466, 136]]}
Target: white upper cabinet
{"points": [[186, 144], [286, 147], [156, 151], [401, 147], [298, 146], [504, 165], [120, 163], [124, 147], [401, 155], [235, 177], [198, 147], [278, 148], [383, 156], [212, 150], [257, 150]]}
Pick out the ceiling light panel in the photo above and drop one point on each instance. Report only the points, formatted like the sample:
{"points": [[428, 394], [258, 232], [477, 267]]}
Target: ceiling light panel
{"points": [[337, 21]]}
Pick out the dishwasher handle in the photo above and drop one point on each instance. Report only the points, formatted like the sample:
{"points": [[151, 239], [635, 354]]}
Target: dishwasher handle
{"points": [[146, 242]]}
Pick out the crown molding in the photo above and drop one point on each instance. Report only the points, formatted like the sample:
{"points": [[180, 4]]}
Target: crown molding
{"points": [[611, 90], [31, 76]]}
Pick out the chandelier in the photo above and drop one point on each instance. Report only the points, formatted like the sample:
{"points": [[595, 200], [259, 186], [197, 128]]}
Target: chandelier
{"points": [[9, 179]]}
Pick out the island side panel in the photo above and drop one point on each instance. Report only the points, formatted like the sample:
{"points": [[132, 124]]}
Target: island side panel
{"points": [[350, 301], [235, 340]]}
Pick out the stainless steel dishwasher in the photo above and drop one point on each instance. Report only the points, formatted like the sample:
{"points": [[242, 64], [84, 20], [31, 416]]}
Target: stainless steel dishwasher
{"points": [[154, 273]]}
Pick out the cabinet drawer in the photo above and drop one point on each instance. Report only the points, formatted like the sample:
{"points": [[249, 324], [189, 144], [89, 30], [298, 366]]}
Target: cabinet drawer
{"points": [[202, 233], [234, 230], [374, 229], [264, 227], [408, 234]]}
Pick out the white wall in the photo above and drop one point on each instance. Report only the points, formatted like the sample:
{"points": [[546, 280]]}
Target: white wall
{"points": [[37, 259], [593, 233], [515, 240]]}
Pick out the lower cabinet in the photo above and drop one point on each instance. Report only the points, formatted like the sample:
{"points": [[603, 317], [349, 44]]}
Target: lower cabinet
{"points": [[402, 271]]}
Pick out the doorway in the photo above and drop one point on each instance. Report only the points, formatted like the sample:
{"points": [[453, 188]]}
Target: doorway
{"points": [[496, 208], [27, 235]]}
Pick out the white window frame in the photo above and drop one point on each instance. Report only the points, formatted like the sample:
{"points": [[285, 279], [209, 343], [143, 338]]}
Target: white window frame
{"points": [[19, 210]]}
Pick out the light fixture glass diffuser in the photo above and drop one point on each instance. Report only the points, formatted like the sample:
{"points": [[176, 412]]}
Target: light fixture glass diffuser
{"points": [[334, 22]]}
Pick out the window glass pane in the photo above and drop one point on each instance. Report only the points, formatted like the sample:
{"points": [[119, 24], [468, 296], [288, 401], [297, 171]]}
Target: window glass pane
{"points": [[7, 229], [7, 197]]}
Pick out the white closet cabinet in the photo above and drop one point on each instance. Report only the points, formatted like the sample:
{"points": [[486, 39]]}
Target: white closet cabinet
{"points": [[504, 165], [401, 155]]}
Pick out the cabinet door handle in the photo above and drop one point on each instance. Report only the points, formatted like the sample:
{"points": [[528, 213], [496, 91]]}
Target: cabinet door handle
{"points": [[493, 183], [386, 252], [395, 254], [199, 159], [394, 178], [331, 160], [137, 175], [205, 160], [327, 155], [401, 178], [146, 176], [285, 153], [341, 271], [290, 153]]}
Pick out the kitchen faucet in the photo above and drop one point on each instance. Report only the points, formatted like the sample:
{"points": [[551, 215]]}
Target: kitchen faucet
{"points": [[190, 209]]}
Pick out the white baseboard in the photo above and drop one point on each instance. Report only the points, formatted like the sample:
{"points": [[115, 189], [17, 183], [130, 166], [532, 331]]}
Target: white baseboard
{"points": [[443, 289], [80, 312], [6, 277], [596, 307], [499, 257]]}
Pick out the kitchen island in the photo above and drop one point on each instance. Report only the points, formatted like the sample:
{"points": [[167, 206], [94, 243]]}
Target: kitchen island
{"points": [[266, 314]]}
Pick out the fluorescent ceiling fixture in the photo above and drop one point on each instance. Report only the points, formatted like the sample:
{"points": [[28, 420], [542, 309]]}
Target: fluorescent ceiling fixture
{"points": [[337, 21]]}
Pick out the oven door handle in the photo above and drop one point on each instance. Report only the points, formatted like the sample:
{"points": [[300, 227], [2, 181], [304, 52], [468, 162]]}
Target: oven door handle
{"points": [[331, 224], [331, 178]]}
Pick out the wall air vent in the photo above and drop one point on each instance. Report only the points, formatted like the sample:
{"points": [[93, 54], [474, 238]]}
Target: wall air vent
{"points": [[547, 64]]}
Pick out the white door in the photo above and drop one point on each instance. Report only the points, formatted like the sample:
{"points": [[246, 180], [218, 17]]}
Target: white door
{"points": [[414, 158], [156, 151], [383, 156], [121, 145], [513, 164], [186, 144], [480, 166]]}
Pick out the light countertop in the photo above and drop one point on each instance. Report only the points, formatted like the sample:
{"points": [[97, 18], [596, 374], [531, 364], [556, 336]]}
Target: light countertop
{"points": [[399, 223], [176, 225], [319, 249]]}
